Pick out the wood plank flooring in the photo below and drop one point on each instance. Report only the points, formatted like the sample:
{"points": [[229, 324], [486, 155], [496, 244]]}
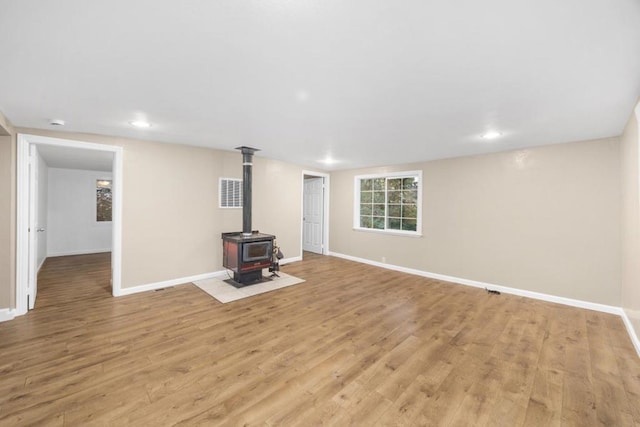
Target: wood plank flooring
{"points": [[353, 345]]}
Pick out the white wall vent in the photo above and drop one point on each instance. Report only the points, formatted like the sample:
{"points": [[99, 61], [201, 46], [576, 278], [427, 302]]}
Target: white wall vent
{"points": [[230, 193]]}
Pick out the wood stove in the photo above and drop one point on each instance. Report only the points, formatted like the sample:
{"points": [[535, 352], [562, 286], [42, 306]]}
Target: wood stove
{"points": [[246, 253], [246, 256]]}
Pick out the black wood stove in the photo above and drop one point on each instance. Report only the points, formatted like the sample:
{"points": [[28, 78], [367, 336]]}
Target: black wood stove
{"points": [[246, 253]]}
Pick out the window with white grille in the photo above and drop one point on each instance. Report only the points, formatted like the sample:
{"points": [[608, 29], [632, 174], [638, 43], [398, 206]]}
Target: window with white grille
{"points": [[390, 203], [230, 193]]}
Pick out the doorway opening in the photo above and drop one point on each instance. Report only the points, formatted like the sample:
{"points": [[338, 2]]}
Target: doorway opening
{"points": [[315, 212], [35, 155]]}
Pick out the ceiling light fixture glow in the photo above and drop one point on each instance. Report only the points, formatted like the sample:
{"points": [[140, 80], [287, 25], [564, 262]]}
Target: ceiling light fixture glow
{"points": [[302, 96], [328, 161], [140, 124], [492, 134]]}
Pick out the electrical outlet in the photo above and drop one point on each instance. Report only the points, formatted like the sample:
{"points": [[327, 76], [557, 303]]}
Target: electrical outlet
{"points": [[384, 259]]}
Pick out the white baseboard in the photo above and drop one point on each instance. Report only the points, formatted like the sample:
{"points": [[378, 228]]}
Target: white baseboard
{"points": [[169, 283], [189, 279], [41, 264], [507, 290], [514, 291], [79, 252], [7, 314], [635, 339], [284, 261]]}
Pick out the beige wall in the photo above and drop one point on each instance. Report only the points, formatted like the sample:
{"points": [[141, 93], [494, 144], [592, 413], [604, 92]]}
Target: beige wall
{"points": [[545, 219], [171, 221], [629, 142], [7, 214]]}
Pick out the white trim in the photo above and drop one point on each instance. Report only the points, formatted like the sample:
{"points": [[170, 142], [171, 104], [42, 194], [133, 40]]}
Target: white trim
{"points": [[514, 291], [631, 331], [23, 143], [7, 314], [285, 261], [79, 252], [117, 189], [392, 232], [22, 225], [41, 264], [32, 274], [507, 290], [188, 279], [169, 283], [326, 182], [635, 339], [402, 174], [385, 175]]}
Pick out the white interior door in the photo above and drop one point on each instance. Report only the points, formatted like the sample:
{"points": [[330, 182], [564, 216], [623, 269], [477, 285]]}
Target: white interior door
{"points": [[32, 279], [313, 208]]}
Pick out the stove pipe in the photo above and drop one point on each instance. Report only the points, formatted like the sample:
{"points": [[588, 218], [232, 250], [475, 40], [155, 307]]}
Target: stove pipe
{"points": [[247, 166]]}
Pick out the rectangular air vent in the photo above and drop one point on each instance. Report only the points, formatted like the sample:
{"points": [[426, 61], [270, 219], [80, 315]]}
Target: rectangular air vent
{"points": [[230, 193]]}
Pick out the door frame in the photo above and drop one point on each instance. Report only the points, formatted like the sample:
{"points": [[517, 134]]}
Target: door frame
{"points": [[22, 215], [325, 209], [32, 248]]}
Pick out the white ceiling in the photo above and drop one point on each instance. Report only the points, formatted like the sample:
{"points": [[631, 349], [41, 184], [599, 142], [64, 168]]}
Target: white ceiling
{"points": [[76, 158], [364, 82]]}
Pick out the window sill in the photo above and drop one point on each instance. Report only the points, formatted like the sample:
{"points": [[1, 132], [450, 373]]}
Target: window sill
{"points": [[389, 232]]}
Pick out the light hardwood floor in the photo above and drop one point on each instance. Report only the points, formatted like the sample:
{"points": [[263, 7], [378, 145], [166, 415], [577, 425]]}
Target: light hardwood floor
{"points": [[353, 345]]}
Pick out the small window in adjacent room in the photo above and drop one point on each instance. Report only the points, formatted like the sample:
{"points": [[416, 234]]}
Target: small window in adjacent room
{"points": [[230, 193], [389, 203], [103, 200]]}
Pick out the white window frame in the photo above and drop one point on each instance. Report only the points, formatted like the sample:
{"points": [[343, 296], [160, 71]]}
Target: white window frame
{"points": [[239, 180], [403, 174]]}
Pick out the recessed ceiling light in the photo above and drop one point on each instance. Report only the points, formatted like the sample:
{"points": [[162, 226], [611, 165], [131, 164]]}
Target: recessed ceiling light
{"points": [[140, 124], [302, 96], [56, 122], [492, 134], [328, 161]]}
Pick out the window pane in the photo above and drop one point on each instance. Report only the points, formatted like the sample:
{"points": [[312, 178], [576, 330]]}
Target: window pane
{"points": [[366, 184], [394, 184], [103, 200], [394, 196], [366, 209], [394, 224], [408, 183], [409, 211], [378, 184], [409, 196], [366, 197], [378, 210], [395, 211], [409, 224], [378, 197], [365, 221], [378, 223]]}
